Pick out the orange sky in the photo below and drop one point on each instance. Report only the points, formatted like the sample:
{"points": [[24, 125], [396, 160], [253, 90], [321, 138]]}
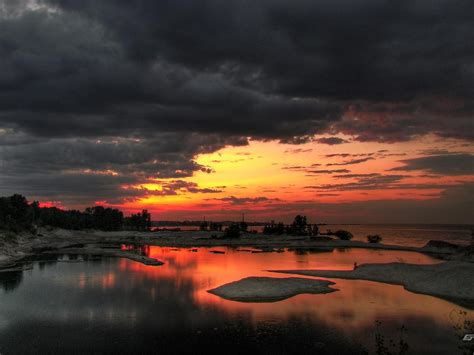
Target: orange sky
{"points": [[262, 177]]}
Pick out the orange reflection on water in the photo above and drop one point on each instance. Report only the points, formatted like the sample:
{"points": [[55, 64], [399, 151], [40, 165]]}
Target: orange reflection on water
{"points": [[356, 303]]}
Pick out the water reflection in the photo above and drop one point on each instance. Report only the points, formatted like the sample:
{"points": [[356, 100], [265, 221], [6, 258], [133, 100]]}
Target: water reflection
{"points": [[10, 280], [116, 305]]}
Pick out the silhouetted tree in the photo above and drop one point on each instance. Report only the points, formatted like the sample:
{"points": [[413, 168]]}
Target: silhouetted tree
{"points": [[139, 222], [299, 225], [16, 215]]}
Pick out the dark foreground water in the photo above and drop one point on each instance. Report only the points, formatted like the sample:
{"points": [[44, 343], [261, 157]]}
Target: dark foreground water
{"points": [[118, 306]]}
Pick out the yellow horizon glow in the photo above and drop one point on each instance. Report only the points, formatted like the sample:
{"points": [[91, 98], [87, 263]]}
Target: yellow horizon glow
{"points": [[260, 169]]}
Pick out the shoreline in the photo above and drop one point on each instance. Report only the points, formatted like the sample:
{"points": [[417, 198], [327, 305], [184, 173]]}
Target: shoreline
{"points": [[58, 241], [451, 280], [98, 243]]}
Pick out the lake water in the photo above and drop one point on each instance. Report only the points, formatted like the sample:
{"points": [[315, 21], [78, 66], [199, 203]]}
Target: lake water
{"points": [[119, 306], [396, 234]]}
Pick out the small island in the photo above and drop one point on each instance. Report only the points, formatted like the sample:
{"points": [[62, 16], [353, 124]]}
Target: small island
{"points": [[268, 289]]}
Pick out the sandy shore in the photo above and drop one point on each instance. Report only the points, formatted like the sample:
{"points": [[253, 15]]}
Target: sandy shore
{"points": [[451, 280], [269, 289]]}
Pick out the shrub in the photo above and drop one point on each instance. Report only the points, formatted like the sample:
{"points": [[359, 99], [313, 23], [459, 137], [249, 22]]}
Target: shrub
{"points": [[233, 231], [343, 234], [374, 238]]}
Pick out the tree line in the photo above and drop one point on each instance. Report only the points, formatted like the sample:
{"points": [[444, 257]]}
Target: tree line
{"points": [[300, 226], [17, 215]]}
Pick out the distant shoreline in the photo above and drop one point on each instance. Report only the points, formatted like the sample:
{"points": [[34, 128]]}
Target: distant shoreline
{"points": [[93, 242]]}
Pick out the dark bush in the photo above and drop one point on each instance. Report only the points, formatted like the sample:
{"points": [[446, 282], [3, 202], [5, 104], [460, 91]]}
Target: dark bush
{"points": [[374, 238], [343, 234], [233, 231]]}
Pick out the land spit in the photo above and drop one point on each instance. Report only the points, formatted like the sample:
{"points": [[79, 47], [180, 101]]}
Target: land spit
{"points": [[451, 280]]}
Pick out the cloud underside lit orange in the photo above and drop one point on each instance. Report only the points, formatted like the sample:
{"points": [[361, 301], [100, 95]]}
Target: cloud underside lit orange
{"points": [[273, 180]]}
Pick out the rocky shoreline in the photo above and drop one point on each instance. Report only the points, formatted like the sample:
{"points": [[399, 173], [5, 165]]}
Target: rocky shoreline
{"points": [[58, 241]]}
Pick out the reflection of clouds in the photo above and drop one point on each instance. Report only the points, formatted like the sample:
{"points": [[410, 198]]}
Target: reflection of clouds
{"points": [[119, 295]]}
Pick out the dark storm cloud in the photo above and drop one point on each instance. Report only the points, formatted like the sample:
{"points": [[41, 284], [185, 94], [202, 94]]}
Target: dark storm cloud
{"points": [[77, 188], [164, 156], [350, 49], [452, 164], [69, 71], [228, 66], [158, 82], [401, 121], [80, 171]]}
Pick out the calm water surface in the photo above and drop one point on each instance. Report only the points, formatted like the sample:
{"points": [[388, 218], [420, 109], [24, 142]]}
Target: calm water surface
{"points": [[120, 306], [398, 234]]}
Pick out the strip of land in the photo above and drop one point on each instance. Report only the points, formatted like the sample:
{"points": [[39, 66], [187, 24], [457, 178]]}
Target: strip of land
{"points": [[451, 280], [269, 289], [59, 241]]}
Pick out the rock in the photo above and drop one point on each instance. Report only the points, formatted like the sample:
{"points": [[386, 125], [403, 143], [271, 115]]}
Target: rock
{"points": [[269, 289], [441, 244]]}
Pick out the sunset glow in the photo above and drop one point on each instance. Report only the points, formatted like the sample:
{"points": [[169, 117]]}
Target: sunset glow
{"points": [[268, 180]]}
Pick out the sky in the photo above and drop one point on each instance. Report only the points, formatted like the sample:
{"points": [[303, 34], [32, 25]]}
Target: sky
{"points": [[347, 111]]}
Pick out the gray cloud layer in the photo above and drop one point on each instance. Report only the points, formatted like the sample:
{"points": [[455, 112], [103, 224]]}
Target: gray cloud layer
{"points": [[157, 82], [450, 164]]}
